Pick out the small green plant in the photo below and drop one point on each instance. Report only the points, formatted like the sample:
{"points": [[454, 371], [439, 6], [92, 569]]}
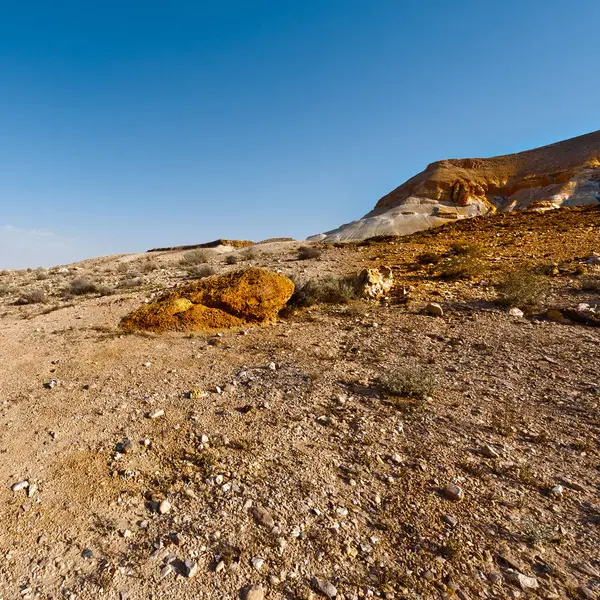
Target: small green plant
{"points": [[523, 287], [428, 258], [308, 252]]}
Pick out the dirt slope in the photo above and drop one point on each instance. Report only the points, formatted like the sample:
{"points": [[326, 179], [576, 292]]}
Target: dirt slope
{"points": [[303, 425], [563, 174]]}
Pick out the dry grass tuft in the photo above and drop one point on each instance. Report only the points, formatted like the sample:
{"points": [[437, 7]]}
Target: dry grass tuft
{"points": [[523, 287]]}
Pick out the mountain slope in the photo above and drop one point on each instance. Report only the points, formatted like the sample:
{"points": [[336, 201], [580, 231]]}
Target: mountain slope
{"points": [[563, 174]]}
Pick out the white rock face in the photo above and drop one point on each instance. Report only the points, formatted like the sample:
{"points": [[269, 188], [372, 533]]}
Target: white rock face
{"points": [[563, 174]]}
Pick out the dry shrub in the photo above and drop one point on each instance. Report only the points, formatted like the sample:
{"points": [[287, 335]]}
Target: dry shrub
{"points": [[200, 271], [589, 284], [4, 290], [33, 297], [82, 286], [523, 287], [409, 382], [130, 282], [468, 249], [308, 252], [41, 274], [148, 266], [195, 257], [330, 290], [232, 259], [461, 267], [250, 253], [428, 258]]}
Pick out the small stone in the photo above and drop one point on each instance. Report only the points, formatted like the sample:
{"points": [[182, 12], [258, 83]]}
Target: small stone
{"points": [[252, 592], [557, 491], [450, 520], [87, 553], [164, 507], [190, 568], [21, 485], [526, 583], [325, 587], [453, 492], [257, 563], [31, 490], [220, 566], [52, 383], [433, 308], [125, 447], [155, 414], [147, 364], [272, 366], [262, 516], [516, 312], [489, 452]]}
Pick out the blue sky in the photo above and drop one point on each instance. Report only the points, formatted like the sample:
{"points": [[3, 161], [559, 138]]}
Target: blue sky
{"points": [[128, 125]]}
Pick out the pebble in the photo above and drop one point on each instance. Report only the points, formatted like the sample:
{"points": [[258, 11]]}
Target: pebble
{"points": [[252, 592], [262, 516], [450, 520], [155, 414], [272, 366], [557, 491], [164, 507], [526, 583], [325, 587], [516, 312], [21, 485], [52, 383], [433, 308], [453, 492], [489, 452], [190, 568], [220, 566], [257, 563]]}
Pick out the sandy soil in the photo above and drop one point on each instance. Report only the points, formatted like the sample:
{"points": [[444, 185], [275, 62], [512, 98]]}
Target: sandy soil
{"points": [[351, 477]]}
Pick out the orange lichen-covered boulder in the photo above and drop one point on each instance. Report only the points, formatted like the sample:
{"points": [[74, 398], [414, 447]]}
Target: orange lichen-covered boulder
{"points": [[236, 299]]}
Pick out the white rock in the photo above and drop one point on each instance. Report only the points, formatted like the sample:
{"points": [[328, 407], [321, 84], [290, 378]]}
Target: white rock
{"points": [[21, 485], [325, 587], [433, 308], [155, 414], [272, 366], [252, 592], [257, 563], [516, 312], [164, 507]]}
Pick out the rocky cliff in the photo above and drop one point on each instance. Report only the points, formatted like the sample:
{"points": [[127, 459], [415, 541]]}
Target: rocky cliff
{"points": [[563, 174]]}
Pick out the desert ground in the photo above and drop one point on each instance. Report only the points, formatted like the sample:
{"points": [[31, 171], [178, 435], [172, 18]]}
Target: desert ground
{"points": [[352, 449]]}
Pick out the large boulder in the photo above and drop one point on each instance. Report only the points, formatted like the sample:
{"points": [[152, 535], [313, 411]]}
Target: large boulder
{"points": [[251, 296]]}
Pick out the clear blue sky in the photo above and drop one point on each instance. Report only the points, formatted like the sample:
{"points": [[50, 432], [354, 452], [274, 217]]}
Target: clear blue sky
{"points": [[127, 125]]}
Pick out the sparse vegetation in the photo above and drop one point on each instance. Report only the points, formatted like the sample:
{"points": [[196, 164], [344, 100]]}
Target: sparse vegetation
{"points": [[232, 259], [148, 266], [195, 257], [4, 290], [428, 258], [589, 284], [308, 252], [329, 290], [250, 253], [82, 286], [200, 271], [468, 249], [460, 267], [41, 274], [38, 296], [130, 282], [410, 382], [523, 287]]}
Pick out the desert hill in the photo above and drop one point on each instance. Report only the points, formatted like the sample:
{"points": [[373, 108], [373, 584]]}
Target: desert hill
{"points": [[563, 174], [352, 449]]}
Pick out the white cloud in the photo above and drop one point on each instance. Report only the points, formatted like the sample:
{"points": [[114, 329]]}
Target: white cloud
{"points": [[20, 248]]}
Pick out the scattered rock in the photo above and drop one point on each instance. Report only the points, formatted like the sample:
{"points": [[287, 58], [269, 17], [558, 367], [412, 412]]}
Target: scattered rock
{"points": [[21, 485], [190, 568], [50, 384], [516, 312], [252, 592], [262, 516], [489, 452], [453, 492], [525, 582], [325, 587], [164, 507], [450, 520], [375, 283], [155, 414], [257, 563], [433, 308]]}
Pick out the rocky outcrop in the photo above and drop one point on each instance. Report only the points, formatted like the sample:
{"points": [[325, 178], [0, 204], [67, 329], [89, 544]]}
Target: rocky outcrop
{"points": [[247, 297], [563, 174]]}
